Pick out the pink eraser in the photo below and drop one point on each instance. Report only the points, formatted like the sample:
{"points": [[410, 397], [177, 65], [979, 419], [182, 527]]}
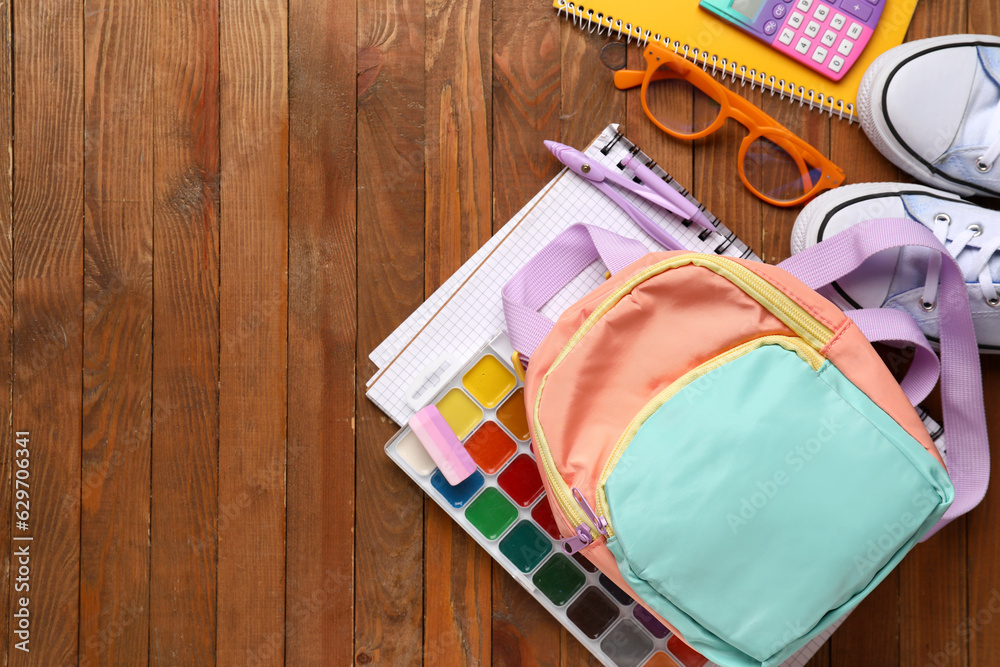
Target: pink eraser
{"points": [[442, 444]]}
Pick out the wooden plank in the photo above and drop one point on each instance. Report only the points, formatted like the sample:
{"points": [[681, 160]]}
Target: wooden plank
{"points": [[524, 632], [589, 102], [47, 336], [117, 333], [777, 222], [675, 156], [7, 317], [457, 221], [184, 514], [389, 524], [526, 107], [322, 329], [458, 111], [980, 623], [932, 578], [526, 102], [253, 294]]}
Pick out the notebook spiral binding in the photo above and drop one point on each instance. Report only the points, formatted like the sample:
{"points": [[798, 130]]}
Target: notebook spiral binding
{"points": [[587, 20], [728, 236]]}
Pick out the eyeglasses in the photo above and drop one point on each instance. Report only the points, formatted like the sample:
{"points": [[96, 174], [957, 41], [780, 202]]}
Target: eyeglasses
{"points": [[684, 101]]}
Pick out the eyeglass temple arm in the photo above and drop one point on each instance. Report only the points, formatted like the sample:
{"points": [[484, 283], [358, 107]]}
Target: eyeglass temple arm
{"points": [[629, 78]]}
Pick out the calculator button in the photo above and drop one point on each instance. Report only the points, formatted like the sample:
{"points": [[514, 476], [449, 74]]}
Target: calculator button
{"points": [[770, 27], [821, 13], [819, 55], [857, 8], [779, 11], [836, 63], [838, 21], [786, 36], [812, 29], [845, 47], [803, 5], [854, 31], [803, 45], [795, 20], [829, 37]]}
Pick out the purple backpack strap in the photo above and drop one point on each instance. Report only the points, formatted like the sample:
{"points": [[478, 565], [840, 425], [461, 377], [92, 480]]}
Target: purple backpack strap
{"points": [[900, 329], [961, 381], [555, 265]]}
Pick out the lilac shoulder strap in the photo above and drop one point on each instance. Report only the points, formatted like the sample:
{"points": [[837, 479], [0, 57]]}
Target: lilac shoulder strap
{"points": [[961, 381], [550, 270]]}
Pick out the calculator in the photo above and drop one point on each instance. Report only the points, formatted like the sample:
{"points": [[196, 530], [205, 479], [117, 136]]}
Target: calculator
{"points": [[825, 36]]}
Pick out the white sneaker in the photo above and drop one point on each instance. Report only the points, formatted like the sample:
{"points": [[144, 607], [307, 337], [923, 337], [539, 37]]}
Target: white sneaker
{"points": [[905, 279], [932, 107]]}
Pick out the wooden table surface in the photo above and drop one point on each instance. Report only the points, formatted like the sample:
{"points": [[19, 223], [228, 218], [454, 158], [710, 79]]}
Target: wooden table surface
{"points": [[213, 211]]}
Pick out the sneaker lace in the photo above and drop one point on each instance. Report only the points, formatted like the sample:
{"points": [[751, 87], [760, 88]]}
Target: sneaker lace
{"points": [[978, 270]]}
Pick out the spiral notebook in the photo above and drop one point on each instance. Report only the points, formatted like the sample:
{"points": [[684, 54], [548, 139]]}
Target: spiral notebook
{"points": [[727, 51], [465, 312]]}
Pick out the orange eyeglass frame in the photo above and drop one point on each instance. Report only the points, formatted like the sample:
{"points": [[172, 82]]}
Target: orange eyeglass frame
{"points": [[758, 123]]}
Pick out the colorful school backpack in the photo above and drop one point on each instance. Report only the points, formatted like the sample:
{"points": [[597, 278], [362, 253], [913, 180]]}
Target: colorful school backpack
{"points": [[726, 445]]}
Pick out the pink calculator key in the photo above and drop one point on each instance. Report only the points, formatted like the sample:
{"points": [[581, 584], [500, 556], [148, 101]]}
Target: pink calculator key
{"points": [[806, 44]]}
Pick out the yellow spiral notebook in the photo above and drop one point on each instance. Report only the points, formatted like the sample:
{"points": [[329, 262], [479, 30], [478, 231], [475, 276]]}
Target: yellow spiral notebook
{"points": [[727, 51]]}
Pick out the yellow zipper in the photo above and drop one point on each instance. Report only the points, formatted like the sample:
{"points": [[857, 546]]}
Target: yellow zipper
{"points": [[804, 325], [808, 354]]}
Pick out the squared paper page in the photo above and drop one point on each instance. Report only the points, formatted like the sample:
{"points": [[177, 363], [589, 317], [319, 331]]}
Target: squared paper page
{"points": [[466, 311]]}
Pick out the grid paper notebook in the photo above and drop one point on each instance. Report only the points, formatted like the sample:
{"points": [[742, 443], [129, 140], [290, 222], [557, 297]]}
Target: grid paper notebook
{"points": [[465, 312]]}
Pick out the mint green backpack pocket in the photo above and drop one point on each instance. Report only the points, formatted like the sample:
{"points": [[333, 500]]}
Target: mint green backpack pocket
{"points": [[751, 533]]}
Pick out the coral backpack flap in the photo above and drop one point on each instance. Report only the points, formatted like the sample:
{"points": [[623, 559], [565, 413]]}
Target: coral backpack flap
{"points": [[727, 446]]}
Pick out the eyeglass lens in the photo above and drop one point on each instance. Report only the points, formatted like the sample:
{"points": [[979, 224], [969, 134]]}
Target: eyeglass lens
{"points": [[776, 173], [678, 105]]}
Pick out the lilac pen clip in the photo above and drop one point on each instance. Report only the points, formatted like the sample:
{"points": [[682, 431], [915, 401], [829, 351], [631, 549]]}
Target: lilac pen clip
{"points": [[602, 178]]}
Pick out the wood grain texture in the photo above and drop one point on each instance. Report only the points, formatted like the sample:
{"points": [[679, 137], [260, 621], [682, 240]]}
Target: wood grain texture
{"points": [[524, 633], [253, 319], [527, 103], [6, 327], [391, 136], [212, 214], [48, 303], [979, 628], [322, 328], [185, 423], [589, 100], [456, 222], [185, 512], [932, 578], [117, 333]]}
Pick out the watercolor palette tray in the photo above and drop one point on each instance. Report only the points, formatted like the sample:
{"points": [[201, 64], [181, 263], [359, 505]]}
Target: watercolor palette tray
{"points": [[504, 508]]}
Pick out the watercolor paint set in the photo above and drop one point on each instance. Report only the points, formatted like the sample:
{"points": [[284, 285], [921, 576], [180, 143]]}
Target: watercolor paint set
{"points": [[502, 505]]}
